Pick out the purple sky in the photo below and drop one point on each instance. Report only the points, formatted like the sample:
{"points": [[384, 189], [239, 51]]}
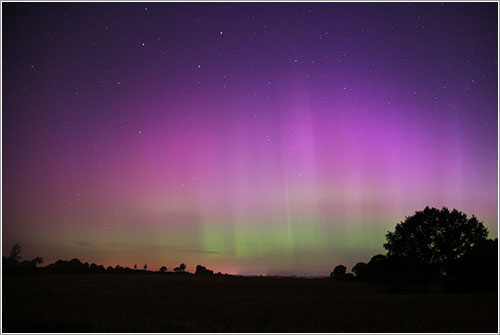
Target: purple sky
{"points": [[273, 138]]}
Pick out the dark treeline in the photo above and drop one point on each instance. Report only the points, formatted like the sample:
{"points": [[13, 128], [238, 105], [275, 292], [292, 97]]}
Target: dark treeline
{"points": [[438, 249], [12, 265], [433, 248]]}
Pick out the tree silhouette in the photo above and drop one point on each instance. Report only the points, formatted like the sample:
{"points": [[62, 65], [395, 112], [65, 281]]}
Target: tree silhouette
{"points": [[377, 268], [361, 270], [33, 263], [163, 269], [145, 267], [180, 268], [431, 242], [15, 252], [435, 237], [339, 272], [30, 266], [93, 267], [37, 260], [201, 270]]}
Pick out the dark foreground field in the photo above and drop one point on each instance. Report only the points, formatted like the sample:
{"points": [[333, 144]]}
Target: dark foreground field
{"points": [[162, 303]]}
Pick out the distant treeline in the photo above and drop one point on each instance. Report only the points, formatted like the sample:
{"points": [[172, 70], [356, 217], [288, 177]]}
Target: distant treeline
{"points": [[12, 265], [432, 248]]}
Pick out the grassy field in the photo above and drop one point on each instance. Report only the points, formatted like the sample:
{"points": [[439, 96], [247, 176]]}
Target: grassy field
{"points": [[163, 303]]}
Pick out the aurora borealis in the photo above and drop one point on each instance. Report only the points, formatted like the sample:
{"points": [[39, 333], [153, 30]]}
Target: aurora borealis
{"points": [[252, 138]]}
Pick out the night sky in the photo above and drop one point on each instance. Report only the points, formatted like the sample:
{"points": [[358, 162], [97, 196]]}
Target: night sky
{"points": [[252, 138]]}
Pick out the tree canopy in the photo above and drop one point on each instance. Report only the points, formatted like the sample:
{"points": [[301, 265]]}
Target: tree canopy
{"points": [[435, 237], [338, 272]]}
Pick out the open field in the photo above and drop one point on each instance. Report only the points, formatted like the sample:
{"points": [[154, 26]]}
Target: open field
{"points": [[164, 303]]}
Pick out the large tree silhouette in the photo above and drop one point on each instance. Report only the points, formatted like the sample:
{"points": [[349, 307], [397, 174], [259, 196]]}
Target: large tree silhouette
{"points": [[434, 237]]}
